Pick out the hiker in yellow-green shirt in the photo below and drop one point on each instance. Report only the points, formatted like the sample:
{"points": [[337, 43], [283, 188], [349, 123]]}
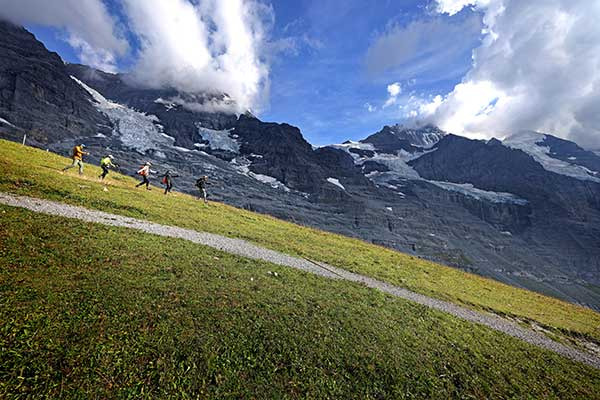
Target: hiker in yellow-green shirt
{"points": [[78, 154], [105, 164]]}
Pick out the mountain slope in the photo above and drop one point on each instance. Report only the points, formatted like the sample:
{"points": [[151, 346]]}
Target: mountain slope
{"points": [[34, 173], [118, 316]]}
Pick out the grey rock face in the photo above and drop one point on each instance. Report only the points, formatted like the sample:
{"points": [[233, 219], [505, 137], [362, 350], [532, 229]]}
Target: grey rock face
{"points": [[564, 211], [570, 152], [397, 137], [37, 96], [387, 141]]}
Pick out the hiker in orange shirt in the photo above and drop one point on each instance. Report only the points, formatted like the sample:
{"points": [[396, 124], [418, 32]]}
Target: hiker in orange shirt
{"points": [[78, 154]]}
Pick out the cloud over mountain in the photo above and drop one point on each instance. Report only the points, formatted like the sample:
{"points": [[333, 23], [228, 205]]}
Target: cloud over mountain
{"points": [[90, 29], [537, 68], [211, 45]]}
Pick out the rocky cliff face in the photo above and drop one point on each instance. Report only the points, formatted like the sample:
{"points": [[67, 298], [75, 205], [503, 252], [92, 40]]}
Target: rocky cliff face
{"points": [[37, 96], [485, 207], [398, 137]]}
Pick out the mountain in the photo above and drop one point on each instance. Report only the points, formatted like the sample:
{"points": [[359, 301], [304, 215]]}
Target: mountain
{"points": [[37, 95], [558, 155], [398, 137], [487, 207]]}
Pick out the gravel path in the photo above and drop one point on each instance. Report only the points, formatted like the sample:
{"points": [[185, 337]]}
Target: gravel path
{"points": [[245, 249]]}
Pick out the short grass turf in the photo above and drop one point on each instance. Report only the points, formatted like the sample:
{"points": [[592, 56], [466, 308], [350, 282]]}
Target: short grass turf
{"points": [[90, 311], [32, 172]]}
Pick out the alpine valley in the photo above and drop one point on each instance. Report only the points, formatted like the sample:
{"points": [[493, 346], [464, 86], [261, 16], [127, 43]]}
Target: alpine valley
{"points": [[525, 210]]}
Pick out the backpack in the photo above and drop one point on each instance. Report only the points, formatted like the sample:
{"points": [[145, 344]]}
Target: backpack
{"points": [[164, 180], [141, 170]]}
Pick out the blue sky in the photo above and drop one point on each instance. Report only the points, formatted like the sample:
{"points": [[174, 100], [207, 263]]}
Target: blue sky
{"points": [[325, 88], [325, 81]]}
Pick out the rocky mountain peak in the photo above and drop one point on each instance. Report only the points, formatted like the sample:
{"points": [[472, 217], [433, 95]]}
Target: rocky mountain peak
{"points": [[411, 139]]}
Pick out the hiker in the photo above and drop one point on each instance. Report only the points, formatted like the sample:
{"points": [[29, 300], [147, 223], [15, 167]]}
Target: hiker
{"points": [[201, 185], [167, 180], [77, 155], [145, 171], [105, 164]]}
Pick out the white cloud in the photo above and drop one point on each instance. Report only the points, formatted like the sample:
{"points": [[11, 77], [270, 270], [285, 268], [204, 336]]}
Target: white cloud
{"points": [[99, 58], [370, 108], [394, 90], [423, 46], [452, 7], [193, 46], [538, 68], [215, 45], [90, 29]]}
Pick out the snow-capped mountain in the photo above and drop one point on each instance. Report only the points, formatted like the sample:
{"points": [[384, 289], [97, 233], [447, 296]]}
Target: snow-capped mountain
{"points": [[384, 158], [424, 137], [525, 211], [557, 155]]}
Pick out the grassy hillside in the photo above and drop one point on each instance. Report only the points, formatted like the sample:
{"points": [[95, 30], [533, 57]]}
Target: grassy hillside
{"points": [[90, 311], [34, 172]]}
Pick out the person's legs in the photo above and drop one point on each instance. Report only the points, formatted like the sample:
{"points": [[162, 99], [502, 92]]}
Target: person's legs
{"points": [[71, 166], [147, 182], [104, 172], [80, 163], [204, 195], [142, 182]]}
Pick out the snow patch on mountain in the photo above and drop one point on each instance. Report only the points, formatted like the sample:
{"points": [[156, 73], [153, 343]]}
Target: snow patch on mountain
{"points": [[169, 105], [425, 137], [336, 182], [242, 166], [135, 129], [530, 143], [397, 163], [2, 120], [479, 194], [399, 171], [219, 140]]}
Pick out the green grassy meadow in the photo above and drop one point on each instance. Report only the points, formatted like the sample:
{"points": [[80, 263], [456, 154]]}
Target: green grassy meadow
{"points": [[90, 311], [32, 172]]}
